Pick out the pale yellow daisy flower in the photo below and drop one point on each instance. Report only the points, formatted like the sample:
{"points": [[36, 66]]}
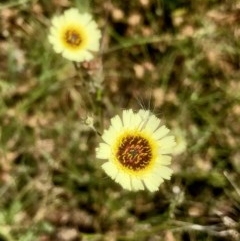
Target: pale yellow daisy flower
{"points": [[75, 35], [136, 148]]}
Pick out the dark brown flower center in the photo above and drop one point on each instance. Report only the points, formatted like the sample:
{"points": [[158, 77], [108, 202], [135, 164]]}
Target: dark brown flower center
{"points": [[134, 152], [73, 38]]}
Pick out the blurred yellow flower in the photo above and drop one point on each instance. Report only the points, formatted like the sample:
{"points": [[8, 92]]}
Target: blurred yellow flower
{"points": [[75, 35], [181, 142], [136, 147]]}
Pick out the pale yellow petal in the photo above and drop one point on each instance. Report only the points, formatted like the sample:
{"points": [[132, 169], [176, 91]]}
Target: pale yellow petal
{"points": [[166, 144], [144, 114], [109, 135], [136, 184], [56, 22], [166, 172], [103, 151], [86, 19], [164, 160], [152, 124], [71, 13], [163, 172], [110, 169], [160, 132], [127, 117], [152, 182], [137, 120], [116, 123], [124, 180]]}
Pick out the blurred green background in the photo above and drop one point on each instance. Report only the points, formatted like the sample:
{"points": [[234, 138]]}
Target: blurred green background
{"points": [[178, 58]]}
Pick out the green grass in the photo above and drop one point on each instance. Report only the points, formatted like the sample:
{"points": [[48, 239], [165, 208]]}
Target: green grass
{"points": [[52, 185]]}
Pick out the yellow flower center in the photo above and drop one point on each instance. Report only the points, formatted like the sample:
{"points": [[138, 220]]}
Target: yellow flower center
{"points": [[74, 37], [134, 152]]}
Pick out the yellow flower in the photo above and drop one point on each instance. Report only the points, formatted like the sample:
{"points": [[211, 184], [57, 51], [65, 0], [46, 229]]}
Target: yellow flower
{"points": [[75, 35], [136, 147], [181, 142]]}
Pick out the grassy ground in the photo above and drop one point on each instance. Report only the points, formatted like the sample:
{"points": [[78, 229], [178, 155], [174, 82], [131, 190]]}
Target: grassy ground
{"points": [[178, 58]]}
